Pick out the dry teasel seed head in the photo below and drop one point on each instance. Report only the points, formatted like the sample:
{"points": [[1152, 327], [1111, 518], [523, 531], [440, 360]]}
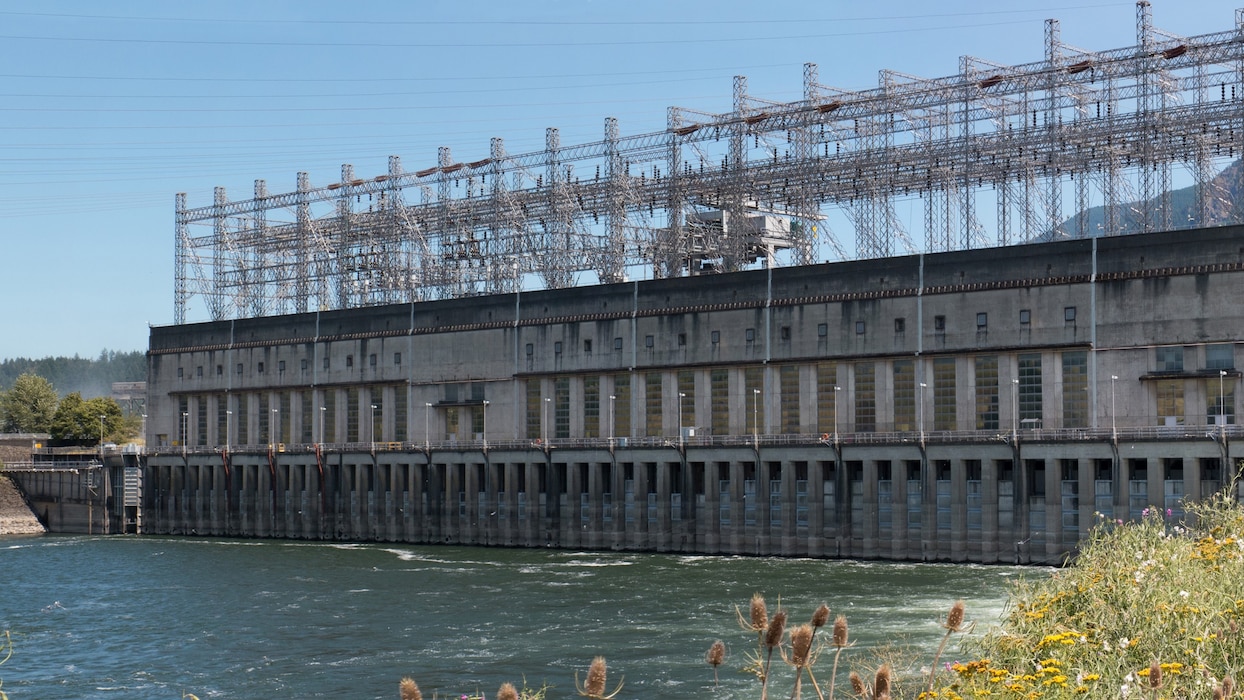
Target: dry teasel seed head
{"points": [[716, 654], [760, 614], [821, 616], [594, 684], [954, 619], [800, 646], [1228, 686], [1155, 674], [409, 690], [857, 685], [881, 684], [507, 692], [1218, 692], [840, 631], [777, 626]]}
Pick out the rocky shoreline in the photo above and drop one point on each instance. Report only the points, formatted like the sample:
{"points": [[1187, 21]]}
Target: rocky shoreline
{"points": [[15, 516]]}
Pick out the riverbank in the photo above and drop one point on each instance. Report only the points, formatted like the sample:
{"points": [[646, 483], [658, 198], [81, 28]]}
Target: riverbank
{"points": [[16, 517]]}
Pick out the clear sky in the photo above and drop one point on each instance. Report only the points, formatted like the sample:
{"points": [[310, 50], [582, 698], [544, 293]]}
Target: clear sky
{"points": [[110, 108]]}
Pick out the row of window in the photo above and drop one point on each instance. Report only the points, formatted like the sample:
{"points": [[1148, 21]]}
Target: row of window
{"points": [[372, 361]]}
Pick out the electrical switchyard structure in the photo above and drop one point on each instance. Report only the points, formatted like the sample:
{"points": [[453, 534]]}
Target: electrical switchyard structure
{"points": [[994, 153]]}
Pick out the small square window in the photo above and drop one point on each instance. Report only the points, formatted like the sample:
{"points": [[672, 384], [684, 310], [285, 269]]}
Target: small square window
{"points": [[531, 349], [749, 335], [1170, 359], [371, 359], [617, 343], [259, 368], [587, 345], [715, 337], [397, 358], [1069, 314], [939, 324], [982, 321], [682, 339], [304, 364], [1025, 317], [785, 333], [325, 362], [349, 360], [239, 368], [280, 366], [859, 328], [220, 370], [822, 330], [649, 341], [1220, 356], [900, 325], [557, 348], [180, 373], [198, 371]]}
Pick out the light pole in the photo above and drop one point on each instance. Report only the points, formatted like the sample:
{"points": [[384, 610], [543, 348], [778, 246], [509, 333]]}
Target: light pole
{"points": [[185, 432], [837, 407], [1015, 410], [544, 419], [1114, 431], [612, 397], [373, 428], [755, 413], [681, 396], [101, 439], [921, 407], [1222, 403], [427, 426], [228, 420], [273, 428], [323, 410], [484, 428]]}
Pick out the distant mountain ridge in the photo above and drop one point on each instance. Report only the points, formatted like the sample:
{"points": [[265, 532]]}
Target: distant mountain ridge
{"points": [[1222, 208]]}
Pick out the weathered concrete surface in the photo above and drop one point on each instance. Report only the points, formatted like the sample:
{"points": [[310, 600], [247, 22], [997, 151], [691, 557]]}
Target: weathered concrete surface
{"points": [[15, 516]]}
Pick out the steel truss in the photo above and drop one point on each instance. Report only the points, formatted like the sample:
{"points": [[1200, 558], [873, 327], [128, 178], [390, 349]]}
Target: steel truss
{"points": [[720, 192]]}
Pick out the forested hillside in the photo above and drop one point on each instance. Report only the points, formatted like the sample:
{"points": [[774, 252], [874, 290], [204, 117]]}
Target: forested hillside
{"points": [[89, 377]]}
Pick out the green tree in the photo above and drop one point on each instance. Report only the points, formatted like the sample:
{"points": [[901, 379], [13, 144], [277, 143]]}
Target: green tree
{"points": [[29, 406], [76, 419]]}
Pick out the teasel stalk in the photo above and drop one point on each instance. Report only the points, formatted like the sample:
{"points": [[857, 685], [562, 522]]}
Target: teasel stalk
{"points": [[716, 657], [819, 619], [840, 643], [594, 684], [409, 689], [953, 623], [772, 640]]}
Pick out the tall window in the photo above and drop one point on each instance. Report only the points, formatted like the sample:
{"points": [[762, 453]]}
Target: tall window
{"points": [[987, 392], [265, 420], [865, 397], [561, 407], [222, 420], [1030, 388], [904, 395], [352, 414], [591, 407], [686, 387], [1220, 401], [788, 382], [753, 381], [1170, 401], [652, 403], [944, 404], [330, 416], [1075, 389], [719, 390], [307, 410], [534, 409], [826, 397], [201, 422], [400, 410], [622, 404]]}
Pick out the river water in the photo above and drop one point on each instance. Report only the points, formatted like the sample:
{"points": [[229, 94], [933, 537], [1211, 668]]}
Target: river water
{"points": [[146, 617]]}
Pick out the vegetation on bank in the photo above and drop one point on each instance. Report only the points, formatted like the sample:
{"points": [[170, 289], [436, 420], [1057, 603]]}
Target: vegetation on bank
{"points": [[1149, 609], [86, 375], [33, 406]]}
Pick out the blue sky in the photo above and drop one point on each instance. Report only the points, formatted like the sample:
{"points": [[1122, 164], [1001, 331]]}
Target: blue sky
{"points": [[111, 108]]}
